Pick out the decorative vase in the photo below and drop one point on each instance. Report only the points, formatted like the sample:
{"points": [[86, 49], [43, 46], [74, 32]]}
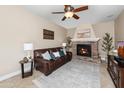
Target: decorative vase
{"points": [[121, 51]]}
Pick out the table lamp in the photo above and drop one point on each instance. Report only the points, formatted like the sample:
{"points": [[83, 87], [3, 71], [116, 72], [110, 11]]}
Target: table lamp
{"points": [[64, 45], [28, 47]]}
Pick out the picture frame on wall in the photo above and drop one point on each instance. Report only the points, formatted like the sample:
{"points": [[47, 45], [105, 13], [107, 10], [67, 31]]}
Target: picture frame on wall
{"points": [[48, 34]]}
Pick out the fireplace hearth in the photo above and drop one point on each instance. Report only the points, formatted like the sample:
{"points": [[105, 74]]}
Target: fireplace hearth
{"points": [[84, 50]]}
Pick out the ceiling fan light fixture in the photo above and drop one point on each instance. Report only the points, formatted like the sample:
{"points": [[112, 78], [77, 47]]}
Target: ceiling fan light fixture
{"points": [[69, 14]]}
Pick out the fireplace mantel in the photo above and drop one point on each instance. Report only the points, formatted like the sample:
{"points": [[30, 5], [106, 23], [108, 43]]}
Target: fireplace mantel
{"points": [[85, 39]]}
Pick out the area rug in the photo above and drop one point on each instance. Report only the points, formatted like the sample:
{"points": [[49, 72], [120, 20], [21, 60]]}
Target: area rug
{"points": [[74, 74]]}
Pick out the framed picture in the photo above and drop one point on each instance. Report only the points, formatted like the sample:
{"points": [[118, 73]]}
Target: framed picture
{"points": [[47, 34]]}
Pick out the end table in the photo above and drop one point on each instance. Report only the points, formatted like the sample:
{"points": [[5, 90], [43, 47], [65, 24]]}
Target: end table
{"points": [[29, 73]]}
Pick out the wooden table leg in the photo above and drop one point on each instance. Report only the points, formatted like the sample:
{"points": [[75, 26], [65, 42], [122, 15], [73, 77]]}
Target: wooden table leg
{"points": [[22, 69], [31, 68]]}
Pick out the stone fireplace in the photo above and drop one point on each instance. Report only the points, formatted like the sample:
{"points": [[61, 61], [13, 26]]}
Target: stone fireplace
{"points": [[85, 43], [85, 49]]}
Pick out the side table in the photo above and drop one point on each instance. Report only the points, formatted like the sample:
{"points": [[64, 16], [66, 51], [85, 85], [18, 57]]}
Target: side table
{"points": [[29, 73], [116, 70]]}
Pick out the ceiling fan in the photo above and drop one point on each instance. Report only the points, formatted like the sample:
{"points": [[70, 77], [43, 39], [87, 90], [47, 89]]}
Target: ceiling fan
{"points": [[69, 11]]}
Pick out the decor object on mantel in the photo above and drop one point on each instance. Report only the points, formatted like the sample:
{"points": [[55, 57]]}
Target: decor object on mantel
{"points": [[107, 43], [28, 47]]}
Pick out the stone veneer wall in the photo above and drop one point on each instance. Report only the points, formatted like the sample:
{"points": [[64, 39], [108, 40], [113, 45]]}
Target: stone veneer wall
{"points": [[95, 51], [94, 48]]}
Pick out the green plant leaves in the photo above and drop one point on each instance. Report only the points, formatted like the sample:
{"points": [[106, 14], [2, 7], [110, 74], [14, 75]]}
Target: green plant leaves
{"points": [[107, 43]]}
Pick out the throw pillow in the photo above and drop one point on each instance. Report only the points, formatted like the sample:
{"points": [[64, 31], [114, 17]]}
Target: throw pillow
{"points": [[56, 54], [61, 53], [46, 55], [52, 56], [64, 51]]}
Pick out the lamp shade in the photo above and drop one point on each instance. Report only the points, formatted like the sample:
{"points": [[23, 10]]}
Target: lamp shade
{"points": [[28, 46], [63, 44]]}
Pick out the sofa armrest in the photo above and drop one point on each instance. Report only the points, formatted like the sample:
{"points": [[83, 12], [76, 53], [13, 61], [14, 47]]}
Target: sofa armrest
{"points": [[69, 56], [69, 53], [42, 65]]}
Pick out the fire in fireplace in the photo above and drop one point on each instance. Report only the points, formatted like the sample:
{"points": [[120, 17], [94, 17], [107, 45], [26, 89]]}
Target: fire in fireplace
{"points": [[84, 50]]}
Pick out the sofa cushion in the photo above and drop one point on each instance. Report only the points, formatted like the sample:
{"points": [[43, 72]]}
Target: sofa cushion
{"points": [[46, 55], [63, 59], [56, 54], [58, 62]]}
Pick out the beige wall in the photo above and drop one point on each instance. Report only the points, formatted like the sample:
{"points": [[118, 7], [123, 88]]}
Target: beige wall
{"points": [[100, 29], [119, 28], [18, 26], [70, 32]]}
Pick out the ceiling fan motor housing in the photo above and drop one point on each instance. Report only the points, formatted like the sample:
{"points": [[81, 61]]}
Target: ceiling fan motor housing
{"points": [[69, 8]]}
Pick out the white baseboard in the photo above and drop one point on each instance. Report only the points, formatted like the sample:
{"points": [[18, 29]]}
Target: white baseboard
{"points": [[7, 76], [10, 75]]}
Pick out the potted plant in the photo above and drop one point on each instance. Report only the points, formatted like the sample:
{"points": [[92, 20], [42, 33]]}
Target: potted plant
{"points": [[107, 43], [69, 43]]}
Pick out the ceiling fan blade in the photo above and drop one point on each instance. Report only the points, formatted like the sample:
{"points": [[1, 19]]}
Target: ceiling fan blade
{"points": [[58, 12], [75, 16], [63, 18], [80, 9]]}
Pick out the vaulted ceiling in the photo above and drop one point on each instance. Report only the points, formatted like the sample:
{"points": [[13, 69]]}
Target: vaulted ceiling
{"points": [[94, 14]]}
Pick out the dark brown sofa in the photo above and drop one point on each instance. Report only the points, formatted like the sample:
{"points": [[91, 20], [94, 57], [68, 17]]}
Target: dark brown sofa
{"points": [[48, 66]]}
